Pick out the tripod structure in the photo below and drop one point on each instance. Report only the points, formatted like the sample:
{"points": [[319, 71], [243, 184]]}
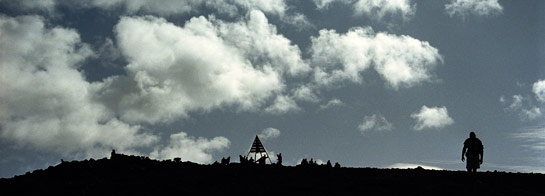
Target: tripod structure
{"points": [[258, 148]]}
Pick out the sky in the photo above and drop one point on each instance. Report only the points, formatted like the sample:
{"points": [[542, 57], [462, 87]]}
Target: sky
{"points": [[366, 83]]}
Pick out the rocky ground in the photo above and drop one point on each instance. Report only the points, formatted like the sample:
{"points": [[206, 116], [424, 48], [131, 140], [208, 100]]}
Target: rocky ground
{"points": [[131, 175]]}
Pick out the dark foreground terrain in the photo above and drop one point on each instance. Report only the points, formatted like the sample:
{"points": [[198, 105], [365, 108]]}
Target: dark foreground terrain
{"points": [[129, 175]]}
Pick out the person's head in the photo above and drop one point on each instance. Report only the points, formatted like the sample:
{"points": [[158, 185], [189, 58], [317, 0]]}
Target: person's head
{"points": [[472, 135]]}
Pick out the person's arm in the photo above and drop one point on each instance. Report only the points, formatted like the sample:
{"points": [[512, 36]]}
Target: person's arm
{"points": [[482, 154], [463, 153]]}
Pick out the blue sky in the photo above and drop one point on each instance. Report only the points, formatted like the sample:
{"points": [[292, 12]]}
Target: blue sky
{"points": [[366, 83]]}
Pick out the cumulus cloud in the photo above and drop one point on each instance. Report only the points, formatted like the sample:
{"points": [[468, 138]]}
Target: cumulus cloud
{"points": [[298, 20], [48, 105], [324, 4], [400, 60], [381, 8], [434, 117], [269, 133], [305, 93], [205, 64], [464, 8], [524, 107], [376, 9], [46, 102], [260, 42], [539, 90], [281, 105], [332, 103], [189, 148], [107, 53], [375, 122], [517, 102], [531, 113]]}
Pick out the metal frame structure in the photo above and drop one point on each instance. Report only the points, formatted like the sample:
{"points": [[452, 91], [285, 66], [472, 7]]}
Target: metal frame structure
{"points": [[258, 148]]}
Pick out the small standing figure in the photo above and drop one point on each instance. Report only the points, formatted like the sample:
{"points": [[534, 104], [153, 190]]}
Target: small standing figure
{"points": [[262, 160], [473, 151], [279, 159], [112, 155]]}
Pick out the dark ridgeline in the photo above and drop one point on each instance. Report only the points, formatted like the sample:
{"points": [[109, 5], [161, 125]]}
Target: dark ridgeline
{"points": [[136, 175]]}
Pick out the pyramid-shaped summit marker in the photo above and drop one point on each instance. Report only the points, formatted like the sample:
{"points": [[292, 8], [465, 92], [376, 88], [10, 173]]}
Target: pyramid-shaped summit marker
{"points": [[257, 147]]}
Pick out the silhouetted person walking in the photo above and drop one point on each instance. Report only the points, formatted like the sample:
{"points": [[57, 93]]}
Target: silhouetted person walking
{"points": [[473, 150]]}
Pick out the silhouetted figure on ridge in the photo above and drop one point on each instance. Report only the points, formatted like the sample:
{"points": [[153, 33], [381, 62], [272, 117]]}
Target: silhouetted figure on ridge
{"points": [[304, 162], [225, 161], [279, 159], [262, 160], [473, 150], [243, 159], [328, 164], [112, 155]]}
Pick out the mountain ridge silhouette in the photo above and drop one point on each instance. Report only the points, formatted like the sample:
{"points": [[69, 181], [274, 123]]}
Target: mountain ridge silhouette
{"points": [[135, 175]]}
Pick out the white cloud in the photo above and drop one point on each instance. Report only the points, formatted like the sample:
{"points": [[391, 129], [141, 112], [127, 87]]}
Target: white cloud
{"points": [[324, 4], [108, 53], [305, 93], [412, 166], [434, 117], [539, 90], [281, 105], [332, 103], [381, 8], [190, 148], [531, 113], [517, 102], [261, 44], [203, 65], [377, 9], [502, 99], [269, 133], [375, 122], [400, 60], [524, 107], [231, 8], [464, 8], [297, 20], [46, 102]]}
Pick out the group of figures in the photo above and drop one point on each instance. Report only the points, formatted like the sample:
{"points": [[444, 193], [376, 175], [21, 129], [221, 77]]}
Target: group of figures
{"points": [[312, 162], [262, 160]]}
